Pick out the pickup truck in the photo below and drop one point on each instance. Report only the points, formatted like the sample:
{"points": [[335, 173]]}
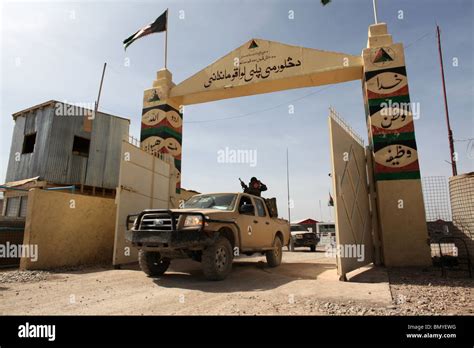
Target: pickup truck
{"points": [[301, 237], [211, 229]]}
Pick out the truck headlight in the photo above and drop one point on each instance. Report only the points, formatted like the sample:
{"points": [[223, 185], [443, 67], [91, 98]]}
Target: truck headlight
{"points": [[193, 220], [299, 236], [131, 222]]}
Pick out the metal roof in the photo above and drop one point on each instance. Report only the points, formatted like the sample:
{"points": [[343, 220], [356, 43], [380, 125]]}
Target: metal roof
{"points": [[52, 102]]}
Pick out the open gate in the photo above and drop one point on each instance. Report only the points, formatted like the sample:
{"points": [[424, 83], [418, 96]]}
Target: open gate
{"points": [[353, 217], [144, 183]]}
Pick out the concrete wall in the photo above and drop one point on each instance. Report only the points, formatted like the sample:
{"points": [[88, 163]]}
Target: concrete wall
{"points": [[404, 231], [69, 229]]}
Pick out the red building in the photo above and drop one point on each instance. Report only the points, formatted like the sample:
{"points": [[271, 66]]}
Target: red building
{"points": [[310, 224]]}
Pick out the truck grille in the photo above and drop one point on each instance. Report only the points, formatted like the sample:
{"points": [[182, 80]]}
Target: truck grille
{"points": [[157, 222]]}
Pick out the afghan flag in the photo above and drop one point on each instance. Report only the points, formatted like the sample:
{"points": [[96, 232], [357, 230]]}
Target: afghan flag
{"points": [[157, 26], [330, 201]]}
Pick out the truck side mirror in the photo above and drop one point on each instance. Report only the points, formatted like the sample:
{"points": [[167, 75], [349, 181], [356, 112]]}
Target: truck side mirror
{"points": [[130, 221], [247, 209]]}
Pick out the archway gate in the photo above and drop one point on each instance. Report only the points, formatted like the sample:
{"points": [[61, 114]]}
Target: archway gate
{"points": [[261, 66]]}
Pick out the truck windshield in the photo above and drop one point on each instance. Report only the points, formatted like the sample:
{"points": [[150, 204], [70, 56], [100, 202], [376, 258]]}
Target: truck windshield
{"points": [[217, 201]]}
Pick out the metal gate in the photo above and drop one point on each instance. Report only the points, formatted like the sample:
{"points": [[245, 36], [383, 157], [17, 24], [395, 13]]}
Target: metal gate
{"points": [[353, 218], [144, 183]]}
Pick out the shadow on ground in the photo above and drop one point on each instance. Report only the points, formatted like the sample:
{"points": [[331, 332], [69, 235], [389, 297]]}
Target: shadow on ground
{"points": [[369, 275], [245, 276]]}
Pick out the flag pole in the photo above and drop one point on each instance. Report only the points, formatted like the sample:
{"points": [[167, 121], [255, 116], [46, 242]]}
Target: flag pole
{"points": [[166, 41], [321, 210], [374, 3]]}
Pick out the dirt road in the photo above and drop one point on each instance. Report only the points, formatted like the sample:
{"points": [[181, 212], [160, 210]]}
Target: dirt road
{"points": [[306, 283], [252, 288]]}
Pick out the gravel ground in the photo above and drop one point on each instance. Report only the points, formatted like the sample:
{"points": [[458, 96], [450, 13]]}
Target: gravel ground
{"points": [[23, 276], [16, 276], [414, 291], [426, 292]]}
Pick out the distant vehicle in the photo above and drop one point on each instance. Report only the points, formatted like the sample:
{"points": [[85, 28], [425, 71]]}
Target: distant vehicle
{"points": [[301, 237], [326, 231], [211, 229]]}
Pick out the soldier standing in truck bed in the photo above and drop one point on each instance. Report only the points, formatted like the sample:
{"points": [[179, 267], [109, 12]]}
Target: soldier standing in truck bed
{"points": [[256, 187]]}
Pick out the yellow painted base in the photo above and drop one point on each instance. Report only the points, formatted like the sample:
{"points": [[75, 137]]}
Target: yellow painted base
{"points": [[68, 236], [403, 224]]}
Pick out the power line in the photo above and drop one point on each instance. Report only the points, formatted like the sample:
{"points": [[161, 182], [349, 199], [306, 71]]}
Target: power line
{"points": [[262, 110], [419, 39]]}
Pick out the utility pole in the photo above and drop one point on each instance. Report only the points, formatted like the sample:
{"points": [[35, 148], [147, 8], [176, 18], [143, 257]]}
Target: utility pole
{"points": [[97, 108], [100, 90], [450, 132]]}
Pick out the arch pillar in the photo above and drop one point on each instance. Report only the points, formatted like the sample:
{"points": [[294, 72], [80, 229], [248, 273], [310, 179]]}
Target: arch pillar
{"points": [[389, 116], [162, 124]]}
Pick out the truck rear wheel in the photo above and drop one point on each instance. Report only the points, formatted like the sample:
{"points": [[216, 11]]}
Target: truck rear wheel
{"points": [[217, 260], [152, 263], [274, 256], [313, 247]]}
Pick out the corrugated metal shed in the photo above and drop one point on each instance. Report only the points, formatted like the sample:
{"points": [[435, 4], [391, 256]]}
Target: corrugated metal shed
{"points": [[106, 139], [53, 160]]}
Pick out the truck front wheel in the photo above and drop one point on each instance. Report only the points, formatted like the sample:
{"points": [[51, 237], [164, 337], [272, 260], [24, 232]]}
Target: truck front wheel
{"points": [[217, 260], [291, 245], [152, 263], [274, 256]]}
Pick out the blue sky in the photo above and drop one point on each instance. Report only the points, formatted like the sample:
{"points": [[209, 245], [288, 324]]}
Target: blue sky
{"points": [[56, 49]]}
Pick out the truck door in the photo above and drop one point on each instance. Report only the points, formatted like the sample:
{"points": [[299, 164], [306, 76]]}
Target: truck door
{"points": [[248, 223], [264, 235]]}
